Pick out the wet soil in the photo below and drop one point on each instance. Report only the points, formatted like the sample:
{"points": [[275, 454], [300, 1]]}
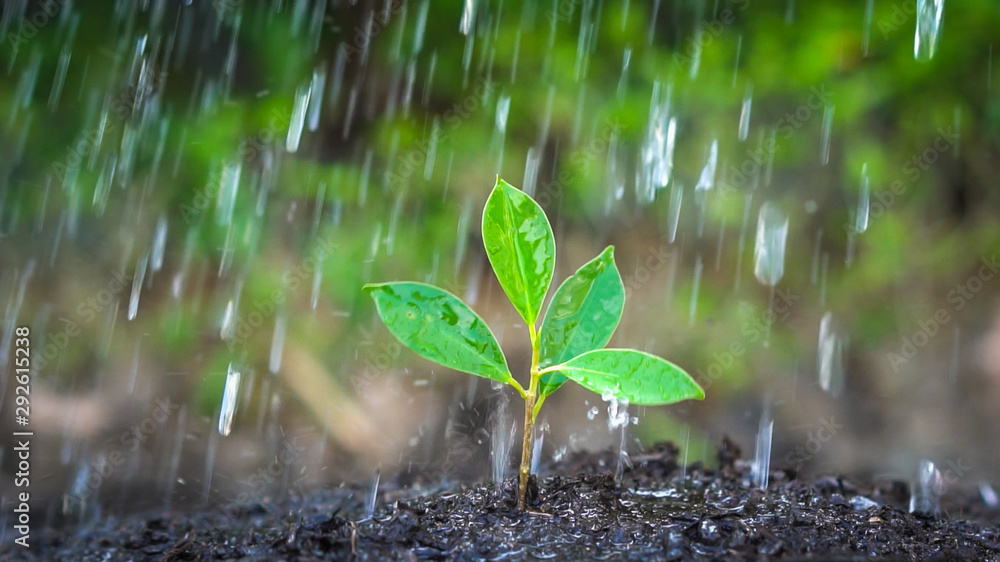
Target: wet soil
{"points": [[578, 511]]}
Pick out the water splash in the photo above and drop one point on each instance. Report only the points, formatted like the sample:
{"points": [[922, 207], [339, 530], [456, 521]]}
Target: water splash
{"points": [[618, 420], [762, 450], [502, 432], [372, 498], [928, 29], [925, 496], [539, 442]]}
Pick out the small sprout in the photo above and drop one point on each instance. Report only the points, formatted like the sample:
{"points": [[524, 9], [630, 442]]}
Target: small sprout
{"points": [[579, 322]]}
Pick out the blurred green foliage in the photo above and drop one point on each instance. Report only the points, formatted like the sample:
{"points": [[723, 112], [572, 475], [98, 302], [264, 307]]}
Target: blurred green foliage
{"points": [[886, 109]]}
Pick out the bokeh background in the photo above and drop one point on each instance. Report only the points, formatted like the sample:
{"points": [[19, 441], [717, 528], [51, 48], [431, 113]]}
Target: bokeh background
{"points": [[193, 193]]}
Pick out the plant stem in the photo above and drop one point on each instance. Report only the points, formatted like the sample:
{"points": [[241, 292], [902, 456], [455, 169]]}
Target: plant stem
{"points": [[527, 446]]}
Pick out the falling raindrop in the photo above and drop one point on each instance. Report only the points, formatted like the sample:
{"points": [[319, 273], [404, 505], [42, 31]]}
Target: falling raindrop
{"points": [[674, 212], [925, 497], [228, 328], [769, 249], [159, 244], [928, 28], [140, 275], [706, 180], [695, 286], [468, 15], [762, 450], [229, 184], [745, 114], [229, 397], [742, 241], [988, 494], [830, 357], [297, 122], [623, 79], [278, 343], [861, 217], [315, 104], [503, 111], [825, 134], [684, 452], [592, 413], [869, 10]]}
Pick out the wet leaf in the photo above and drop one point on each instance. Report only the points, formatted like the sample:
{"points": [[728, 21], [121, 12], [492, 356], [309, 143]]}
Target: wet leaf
{"points": [[582, 316], [636, 376], [520, 246], [439, 326]]}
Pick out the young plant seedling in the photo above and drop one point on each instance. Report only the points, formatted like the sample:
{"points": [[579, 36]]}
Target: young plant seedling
{"points": [[579, 322]]}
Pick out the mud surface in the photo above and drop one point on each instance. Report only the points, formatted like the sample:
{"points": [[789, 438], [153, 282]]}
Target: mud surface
{"points": [[577, 512]]}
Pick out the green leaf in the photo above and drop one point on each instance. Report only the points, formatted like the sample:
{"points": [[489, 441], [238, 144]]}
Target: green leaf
{"points": [[636, 376], [439, 326], [582, 316], [520, 246]]}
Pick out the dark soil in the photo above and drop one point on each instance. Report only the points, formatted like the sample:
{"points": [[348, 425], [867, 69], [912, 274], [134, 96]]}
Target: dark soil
{"points": [[577, 512]]}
